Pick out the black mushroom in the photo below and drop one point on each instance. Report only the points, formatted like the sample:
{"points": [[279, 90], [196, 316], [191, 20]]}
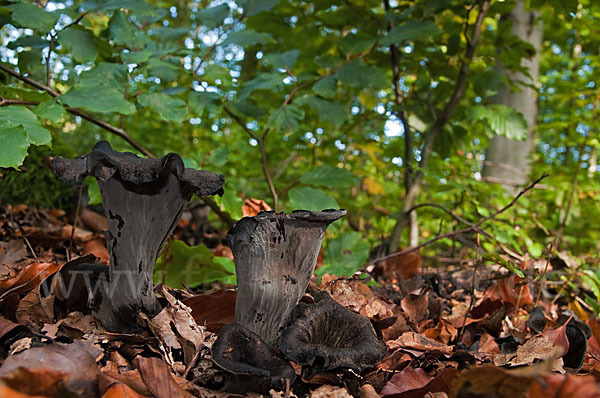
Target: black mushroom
{"points": [[143, 200], [255, 364], [326, 336], [275, 257]]}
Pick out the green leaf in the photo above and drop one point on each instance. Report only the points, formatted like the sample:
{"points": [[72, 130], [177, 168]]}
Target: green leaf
{"points": [[31, 42], [14, 145], [93, 191], [105, 74], [181, 264], [286, 117], [14, 116], [231, 203], [213, 16], [248, 37], [165, 71], [168, 108], [283, 60], [140, 7], [326, 87], [412, 30], [247, 108], [329, 111], [80, 43], [27, 15], [327, 176], [169, 34], [253, 7], [24, 94], [264, 81], [356, 44], [488, 83], [345, 255], [200, 101], [50, 110], [97, 99], [502, 120], [360, 75], [306, 198], [120, 30], [218, 157], [136, 57]]}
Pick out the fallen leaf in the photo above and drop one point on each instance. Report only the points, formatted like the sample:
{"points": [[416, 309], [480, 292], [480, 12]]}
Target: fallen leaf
{"points": [[48, 382], [77, 361], [252, 207], [564, 386], [28, 277], [213, 309], [352, 294], [97, 247], [157, 377], [415, 382], [119, 390], [93, 221], [176, 328], [415, 305], [327, 391], [406, 265], [417, 342], [494, 381]]}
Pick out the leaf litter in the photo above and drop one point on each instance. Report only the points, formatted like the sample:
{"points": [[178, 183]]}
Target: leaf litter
{"points": [[450, 332]]}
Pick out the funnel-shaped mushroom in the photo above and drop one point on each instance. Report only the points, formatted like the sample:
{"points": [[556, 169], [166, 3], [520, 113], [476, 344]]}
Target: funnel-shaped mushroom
{"points": [[143, 200], [326, 335], [275, 256], [255, 364]]}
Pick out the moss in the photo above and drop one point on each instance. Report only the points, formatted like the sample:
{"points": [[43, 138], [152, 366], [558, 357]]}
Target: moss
{"points": [[35, 184]]}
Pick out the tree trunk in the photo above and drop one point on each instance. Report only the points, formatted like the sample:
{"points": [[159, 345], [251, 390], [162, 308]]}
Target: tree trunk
{"points": [[507, 161]]}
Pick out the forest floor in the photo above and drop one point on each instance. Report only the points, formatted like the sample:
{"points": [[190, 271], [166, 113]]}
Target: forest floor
{"points": [[466, 329]]}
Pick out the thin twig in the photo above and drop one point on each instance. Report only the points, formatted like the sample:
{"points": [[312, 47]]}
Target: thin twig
{"points": [[452, 214], [461, 231], [263, 153]]}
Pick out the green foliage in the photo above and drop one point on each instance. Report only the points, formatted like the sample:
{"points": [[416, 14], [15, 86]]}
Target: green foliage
{"points": [[35, 184], [316, 80], [180, 264]]}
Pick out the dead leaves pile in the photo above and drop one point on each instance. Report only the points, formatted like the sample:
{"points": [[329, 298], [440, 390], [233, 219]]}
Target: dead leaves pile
{"points": [[444, 338]]}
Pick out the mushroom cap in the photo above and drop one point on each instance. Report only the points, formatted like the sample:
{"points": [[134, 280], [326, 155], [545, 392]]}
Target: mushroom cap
{"points": [[103, 162], [326, 335], [242, 352]]}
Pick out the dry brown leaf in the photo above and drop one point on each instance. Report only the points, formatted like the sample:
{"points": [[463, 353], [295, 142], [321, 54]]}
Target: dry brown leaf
{"points": [[415, 305], [159, 380], [48, 382], [352, 294], [7, 392], [176, 328], [213, 309], [415, 382], [252, 207], [406, 265], [112, 373], [28, 277], [76, 360], [490, 380], [93, 221], [97, 247], [119, 390], [418, 342], [327, 391], [564, 386], [535, 349]]}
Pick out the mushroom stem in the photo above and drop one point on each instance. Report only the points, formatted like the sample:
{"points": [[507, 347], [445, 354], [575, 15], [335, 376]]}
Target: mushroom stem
{"points": [[275, 257]]}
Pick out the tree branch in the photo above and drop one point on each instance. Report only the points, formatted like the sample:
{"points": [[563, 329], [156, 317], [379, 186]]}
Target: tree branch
{"points": [[84, 115], [474, 227], [437, 126]]}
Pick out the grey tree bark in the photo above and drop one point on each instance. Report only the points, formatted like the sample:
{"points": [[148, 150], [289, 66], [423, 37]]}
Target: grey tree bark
{"points": [[507, 161]]}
